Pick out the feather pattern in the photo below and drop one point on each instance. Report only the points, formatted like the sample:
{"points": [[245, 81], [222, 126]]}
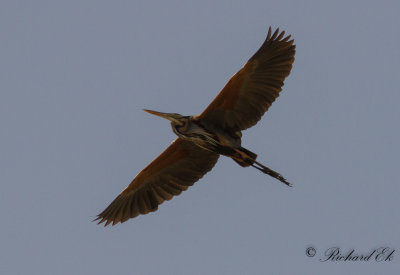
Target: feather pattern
{"points": [[252, 90], [178, 167]]}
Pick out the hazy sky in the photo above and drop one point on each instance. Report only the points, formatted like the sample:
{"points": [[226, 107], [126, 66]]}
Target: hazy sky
{"points": [[75, 76]]}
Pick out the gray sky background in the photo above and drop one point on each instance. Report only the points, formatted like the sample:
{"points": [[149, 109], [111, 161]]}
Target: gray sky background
{"points": [[75, 76]]}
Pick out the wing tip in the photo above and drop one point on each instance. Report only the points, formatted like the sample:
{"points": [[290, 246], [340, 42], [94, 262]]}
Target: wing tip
{"points": [[99, 219], [278, 36], [269, 33], [103, 219], [276, 41]]}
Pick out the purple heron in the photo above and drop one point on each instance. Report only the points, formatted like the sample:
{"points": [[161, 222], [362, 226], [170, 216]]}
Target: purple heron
{"points": [[216, 131]]}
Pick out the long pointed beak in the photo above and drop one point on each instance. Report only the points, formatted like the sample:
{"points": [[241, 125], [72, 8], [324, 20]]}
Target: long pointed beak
{"points": [[163, 115]]}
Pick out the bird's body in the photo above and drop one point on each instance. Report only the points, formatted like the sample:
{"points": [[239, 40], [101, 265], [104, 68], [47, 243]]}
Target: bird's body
{"points": [[205, 135], [216, 131], [215, 139]]}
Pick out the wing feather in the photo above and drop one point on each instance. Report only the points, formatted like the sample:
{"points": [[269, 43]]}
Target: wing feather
{"points": [[252, 90], [177, 168]]}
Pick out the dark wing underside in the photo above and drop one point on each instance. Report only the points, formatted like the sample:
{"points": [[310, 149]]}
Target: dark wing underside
{"points": [[178, 167], [250, 92]]}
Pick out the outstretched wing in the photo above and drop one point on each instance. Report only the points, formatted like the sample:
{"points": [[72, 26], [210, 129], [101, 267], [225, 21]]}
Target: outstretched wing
{"points": [[250, 92], [178, 167]]}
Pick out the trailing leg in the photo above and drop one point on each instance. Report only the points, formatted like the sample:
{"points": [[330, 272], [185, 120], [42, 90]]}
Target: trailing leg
{"points": [[270, 172], [246, 158]]}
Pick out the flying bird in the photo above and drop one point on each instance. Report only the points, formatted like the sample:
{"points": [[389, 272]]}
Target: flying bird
{"points": [[216, 131]]}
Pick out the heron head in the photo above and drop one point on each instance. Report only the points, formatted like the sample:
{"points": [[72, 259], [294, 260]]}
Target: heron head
{"points": [[176, 119]]}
